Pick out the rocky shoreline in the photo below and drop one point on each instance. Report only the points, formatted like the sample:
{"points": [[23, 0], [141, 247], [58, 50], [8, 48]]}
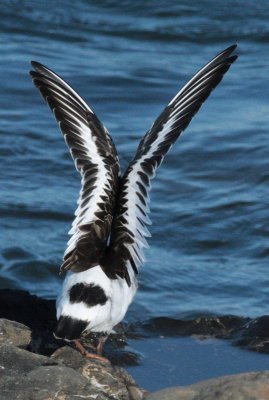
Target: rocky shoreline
{"points": [[62, 376], [33, 365]]}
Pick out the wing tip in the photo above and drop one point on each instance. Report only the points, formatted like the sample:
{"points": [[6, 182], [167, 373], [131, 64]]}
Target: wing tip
{"points": [[227, 53], [36, 65], [231, 48], [232, 58], [37, 68]]}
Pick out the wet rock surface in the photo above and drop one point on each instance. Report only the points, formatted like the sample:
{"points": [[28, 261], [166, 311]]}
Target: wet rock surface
{"points": [[64, 375], [12, 332], [114, 380], [248, 386], [251, 334], [33, 365]]}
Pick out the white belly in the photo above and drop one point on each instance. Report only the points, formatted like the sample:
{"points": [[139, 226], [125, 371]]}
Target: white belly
{"points": [[99, 318]]}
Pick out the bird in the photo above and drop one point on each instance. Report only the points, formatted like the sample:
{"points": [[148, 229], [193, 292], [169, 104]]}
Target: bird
{"points": [[109, 232]]}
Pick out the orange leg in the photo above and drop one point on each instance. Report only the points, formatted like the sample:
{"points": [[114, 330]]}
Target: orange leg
{"points": [[86, 354], [80, 347], [100, 346]]}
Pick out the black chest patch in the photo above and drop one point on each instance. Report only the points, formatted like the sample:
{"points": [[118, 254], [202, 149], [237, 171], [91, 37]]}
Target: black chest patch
{"points": [[91, 294]]}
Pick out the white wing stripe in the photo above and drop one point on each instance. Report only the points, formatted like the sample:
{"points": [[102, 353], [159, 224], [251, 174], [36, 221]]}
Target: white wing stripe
{"points": [[220, 57], [130, 232], [48, 73], [96, 159]]}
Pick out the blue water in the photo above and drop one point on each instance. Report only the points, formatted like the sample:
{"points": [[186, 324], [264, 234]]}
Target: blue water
{"points": [[191, 360], [209, 247]]}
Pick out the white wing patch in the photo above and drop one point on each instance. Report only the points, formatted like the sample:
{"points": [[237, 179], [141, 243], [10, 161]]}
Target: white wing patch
{"points": [[129, 231], [95, 158]]}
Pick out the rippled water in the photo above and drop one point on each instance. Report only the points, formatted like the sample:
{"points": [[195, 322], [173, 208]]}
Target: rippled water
{"points": [[209, 247]]}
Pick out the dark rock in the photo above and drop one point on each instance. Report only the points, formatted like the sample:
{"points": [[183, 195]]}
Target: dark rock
{"points": [[36, 313], [50, 382], [65, 375], [12, 332], [69, 357], [255, 335], [248, 386], [112, 379], [207, 326], [15, 364], [15, 359]]}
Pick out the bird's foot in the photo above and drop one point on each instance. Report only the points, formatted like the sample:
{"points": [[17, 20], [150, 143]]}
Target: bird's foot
{"points": [[97, 357], [86, 354]]}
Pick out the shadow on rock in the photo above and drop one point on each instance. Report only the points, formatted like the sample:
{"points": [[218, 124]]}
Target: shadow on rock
{"points": [[39, 315]]}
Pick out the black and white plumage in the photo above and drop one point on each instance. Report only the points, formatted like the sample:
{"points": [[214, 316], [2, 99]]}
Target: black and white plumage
{"points": [[109, 232]]}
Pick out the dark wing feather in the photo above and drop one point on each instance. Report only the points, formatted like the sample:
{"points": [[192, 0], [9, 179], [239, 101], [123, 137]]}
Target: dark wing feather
{"points": [[95, 158], [129, 231]]}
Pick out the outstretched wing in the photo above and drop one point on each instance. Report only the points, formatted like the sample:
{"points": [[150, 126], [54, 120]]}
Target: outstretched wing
{"points": [[95, 158], [129, 231]]}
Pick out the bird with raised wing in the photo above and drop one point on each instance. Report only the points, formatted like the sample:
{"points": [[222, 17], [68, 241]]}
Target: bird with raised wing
{"points": [[109, 232]]}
